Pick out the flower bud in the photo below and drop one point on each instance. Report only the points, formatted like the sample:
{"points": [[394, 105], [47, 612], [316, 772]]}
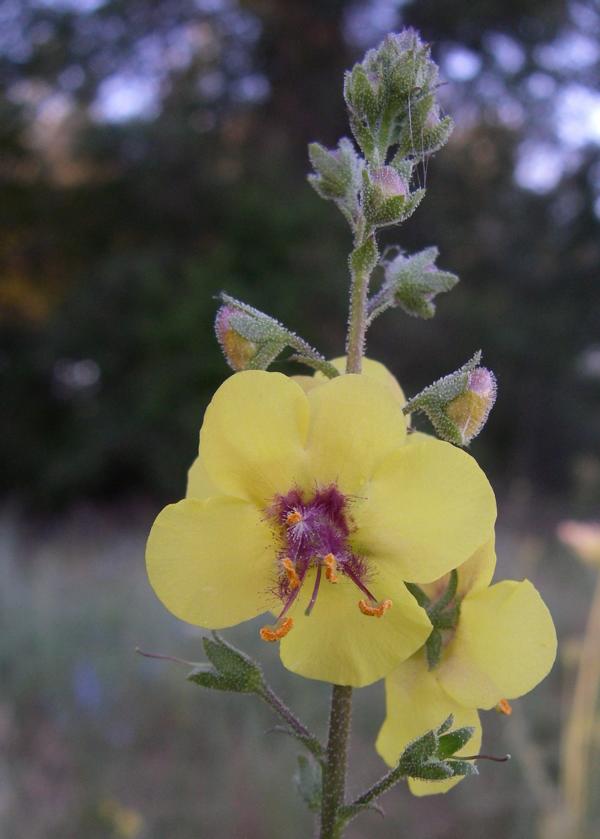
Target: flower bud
{"points": [[390, 183], [458, 405], [238, 351], [470, 410]]}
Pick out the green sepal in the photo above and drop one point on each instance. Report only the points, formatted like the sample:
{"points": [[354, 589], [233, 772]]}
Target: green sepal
{"points": [[381, 210], [360, 95], [433, 648], [462, 768], [419, 595], [307, 778], [446, 597], [337, 176], [231, 669], [455, 740], [419, 750], [433, 770], [265, 337], [434, 399], [444, 390], [412, 283], [446, 725]]}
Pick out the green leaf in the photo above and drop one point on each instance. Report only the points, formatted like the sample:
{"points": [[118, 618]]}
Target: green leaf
{"points": [[233, 671], [308, 782]]}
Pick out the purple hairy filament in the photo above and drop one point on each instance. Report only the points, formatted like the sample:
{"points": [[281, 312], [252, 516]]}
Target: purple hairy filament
{"points": [[314, 532]]}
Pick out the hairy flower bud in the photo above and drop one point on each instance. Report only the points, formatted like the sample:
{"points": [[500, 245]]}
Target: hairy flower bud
{"points": [[238, 351], [470, 410], [459, 404], [389, 182]]}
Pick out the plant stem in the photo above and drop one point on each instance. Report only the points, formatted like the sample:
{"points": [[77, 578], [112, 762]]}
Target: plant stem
{"points": [[296, 727], [334, 771], [371, 795], [357, 326]]}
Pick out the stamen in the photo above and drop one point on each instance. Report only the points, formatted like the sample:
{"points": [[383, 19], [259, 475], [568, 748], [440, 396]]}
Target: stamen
{"points": [[313, 597], [292, 574], [375, 610], [504, 707], [293, 518], [280, 630], [330, 568]]}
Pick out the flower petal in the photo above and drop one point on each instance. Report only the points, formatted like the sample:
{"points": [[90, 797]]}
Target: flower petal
{"points": [[473, 575], [253, 435], [308, 382], [338, 644], [373, 370], [199, 485], [355, 423], [211, 562], [505, 644], [416, 703], [427, 509]]}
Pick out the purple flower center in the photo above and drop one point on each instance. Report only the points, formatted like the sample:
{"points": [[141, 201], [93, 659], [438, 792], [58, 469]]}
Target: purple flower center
{"points": [[313, 531]]}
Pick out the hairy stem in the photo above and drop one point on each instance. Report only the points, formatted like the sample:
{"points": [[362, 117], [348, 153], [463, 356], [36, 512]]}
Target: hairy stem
{"points": [[296, 727], [334, 771], [371, 795], [363, 260]]}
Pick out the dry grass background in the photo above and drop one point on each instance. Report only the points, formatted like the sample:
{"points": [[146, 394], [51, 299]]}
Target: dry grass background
{"points": [[98, 742]]}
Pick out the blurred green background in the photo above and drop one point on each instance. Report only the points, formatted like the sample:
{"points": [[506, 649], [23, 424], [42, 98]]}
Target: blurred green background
{"points": [[152, 153]]}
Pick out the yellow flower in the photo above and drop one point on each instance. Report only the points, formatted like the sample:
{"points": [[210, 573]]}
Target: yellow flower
{"points": [[317, 506], [502, 645]]}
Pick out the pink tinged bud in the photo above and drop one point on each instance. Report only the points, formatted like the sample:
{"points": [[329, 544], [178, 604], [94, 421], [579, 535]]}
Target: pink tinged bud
{"points": [[470, 410], [482, 381], [238, 351], [390, 182]]}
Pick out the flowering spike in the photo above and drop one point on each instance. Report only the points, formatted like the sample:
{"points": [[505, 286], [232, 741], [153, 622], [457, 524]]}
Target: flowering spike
{"points": [[277, 632], [376, 610]]}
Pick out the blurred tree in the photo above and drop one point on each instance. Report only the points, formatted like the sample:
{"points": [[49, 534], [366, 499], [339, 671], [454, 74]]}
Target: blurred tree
{"points": [[150, 149]]}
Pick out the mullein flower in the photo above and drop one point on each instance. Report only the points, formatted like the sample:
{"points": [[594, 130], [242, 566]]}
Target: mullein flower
{"points": [[498, 644], [317, 506]]}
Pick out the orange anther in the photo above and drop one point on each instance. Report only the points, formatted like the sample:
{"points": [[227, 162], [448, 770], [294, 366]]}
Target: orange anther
{"points": [[504, 707], [330, 568], [292, 575], [275, 633], [376, 610], [293, 518]]}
